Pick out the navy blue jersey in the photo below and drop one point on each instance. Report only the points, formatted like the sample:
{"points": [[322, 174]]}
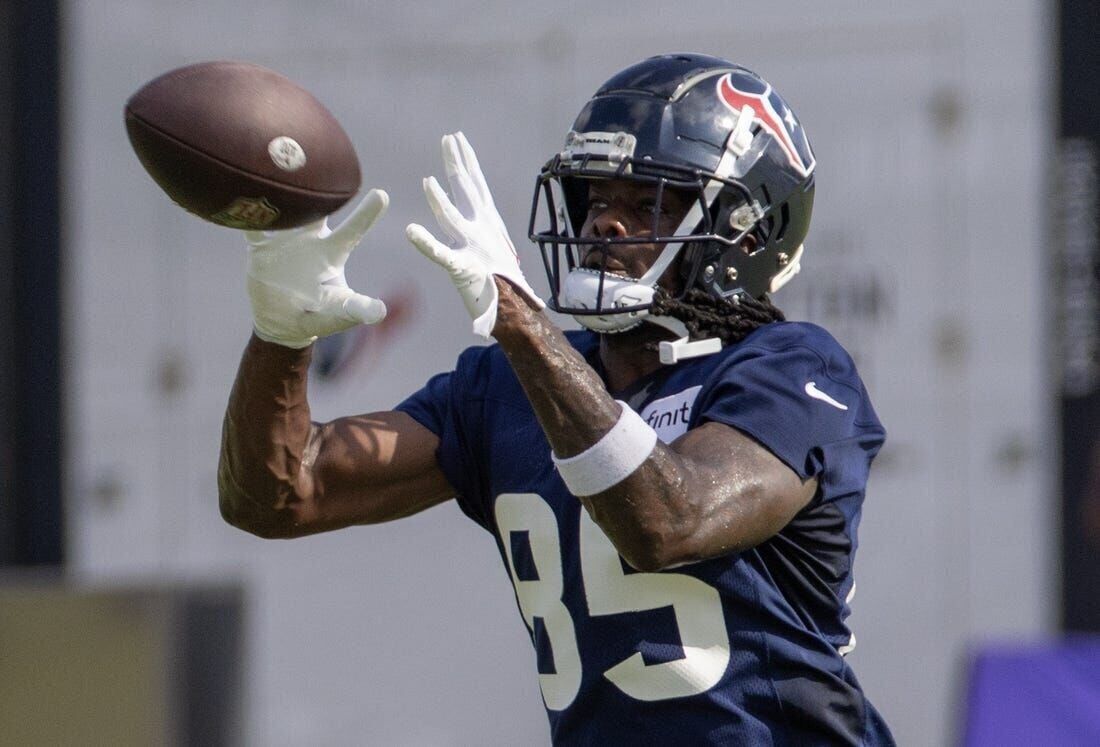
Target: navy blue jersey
{"points": [[743, 649]]}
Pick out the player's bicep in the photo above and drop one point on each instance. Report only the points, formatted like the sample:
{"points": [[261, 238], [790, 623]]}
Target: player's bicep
{"points": [[370, 468], [750, 493]]}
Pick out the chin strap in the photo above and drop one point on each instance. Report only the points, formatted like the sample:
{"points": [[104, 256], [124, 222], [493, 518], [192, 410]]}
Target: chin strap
{"points": [[581, 285], [674, 351]]}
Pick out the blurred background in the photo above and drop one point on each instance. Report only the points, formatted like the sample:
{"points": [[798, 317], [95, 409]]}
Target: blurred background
{"points": [[953, 251]]}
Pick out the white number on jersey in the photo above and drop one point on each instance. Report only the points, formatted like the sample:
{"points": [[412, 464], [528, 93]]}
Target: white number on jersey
{"points": [[696, 605]]}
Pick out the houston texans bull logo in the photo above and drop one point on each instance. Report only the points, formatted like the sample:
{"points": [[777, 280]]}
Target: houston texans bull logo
{"points": [[738, 90]]}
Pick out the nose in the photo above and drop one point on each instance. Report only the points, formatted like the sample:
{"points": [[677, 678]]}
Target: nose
{"points": [[607, 225]]}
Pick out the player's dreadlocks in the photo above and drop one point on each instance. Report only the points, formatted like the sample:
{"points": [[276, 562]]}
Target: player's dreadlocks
{"points": [[730, 320]]}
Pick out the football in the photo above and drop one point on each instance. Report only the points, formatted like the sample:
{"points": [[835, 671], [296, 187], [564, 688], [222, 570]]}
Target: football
{"points": [[242, 146]]}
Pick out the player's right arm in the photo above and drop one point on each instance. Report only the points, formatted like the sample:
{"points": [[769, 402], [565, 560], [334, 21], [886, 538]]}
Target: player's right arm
{"points": [[281, 475]]}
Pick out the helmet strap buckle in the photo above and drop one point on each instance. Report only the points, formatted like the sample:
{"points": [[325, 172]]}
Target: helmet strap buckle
{"points": [[674, 351]]}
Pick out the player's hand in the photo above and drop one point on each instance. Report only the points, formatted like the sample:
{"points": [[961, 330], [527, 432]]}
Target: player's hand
{"points": [[296, 278], [479, 246]]}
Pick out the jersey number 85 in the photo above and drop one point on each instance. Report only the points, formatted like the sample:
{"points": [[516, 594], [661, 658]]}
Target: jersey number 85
{"points": [[609, 591]]}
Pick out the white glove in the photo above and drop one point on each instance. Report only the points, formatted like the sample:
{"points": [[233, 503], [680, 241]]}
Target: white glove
{"points": [[296, 278], [479, 246]]}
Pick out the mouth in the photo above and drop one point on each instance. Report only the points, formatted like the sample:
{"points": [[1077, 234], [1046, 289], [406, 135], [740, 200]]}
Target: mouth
{"points": [[608, 274], [595, 261]]}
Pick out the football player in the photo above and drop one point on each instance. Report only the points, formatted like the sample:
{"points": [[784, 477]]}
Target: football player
{"points": [[675, 489]]}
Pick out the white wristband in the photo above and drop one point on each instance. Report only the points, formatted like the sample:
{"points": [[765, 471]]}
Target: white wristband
{"points": [[610, 460]]}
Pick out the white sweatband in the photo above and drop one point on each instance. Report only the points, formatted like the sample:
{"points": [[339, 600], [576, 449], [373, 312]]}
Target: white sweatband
{"points": [[610, 460]]}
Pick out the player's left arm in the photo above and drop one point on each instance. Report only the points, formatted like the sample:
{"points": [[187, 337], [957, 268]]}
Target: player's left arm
{"points": [[710, 492]]}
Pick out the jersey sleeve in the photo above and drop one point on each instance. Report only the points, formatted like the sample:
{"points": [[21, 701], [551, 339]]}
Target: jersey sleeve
{"points": [[799, 395], [444, 407]]}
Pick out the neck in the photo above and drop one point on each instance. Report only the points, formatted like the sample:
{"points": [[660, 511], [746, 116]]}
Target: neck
{"points": [[628, 356]]}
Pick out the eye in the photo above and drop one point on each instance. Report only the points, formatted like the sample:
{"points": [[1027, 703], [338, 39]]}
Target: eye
{"points": [[596, 204], [651, 206]]}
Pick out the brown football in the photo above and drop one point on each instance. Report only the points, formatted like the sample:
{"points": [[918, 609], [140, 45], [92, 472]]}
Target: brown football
{"points": [[242, 146]]}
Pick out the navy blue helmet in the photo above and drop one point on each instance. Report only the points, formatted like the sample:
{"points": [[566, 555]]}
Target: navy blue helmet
{"points": [[691, 123]]}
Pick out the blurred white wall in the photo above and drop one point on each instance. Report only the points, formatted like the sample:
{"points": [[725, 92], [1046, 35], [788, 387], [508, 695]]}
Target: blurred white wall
{"points": [[931, 124]]}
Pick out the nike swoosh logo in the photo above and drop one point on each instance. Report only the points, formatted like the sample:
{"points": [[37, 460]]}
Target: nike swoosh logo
{"points": [[813, 391]]}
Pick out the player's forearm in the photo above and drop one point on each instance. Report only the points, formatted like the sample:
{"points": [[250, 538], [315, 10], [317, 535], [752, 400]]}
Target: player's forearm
{"points": [[264, 436], [647, 515], [568, 397]]}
